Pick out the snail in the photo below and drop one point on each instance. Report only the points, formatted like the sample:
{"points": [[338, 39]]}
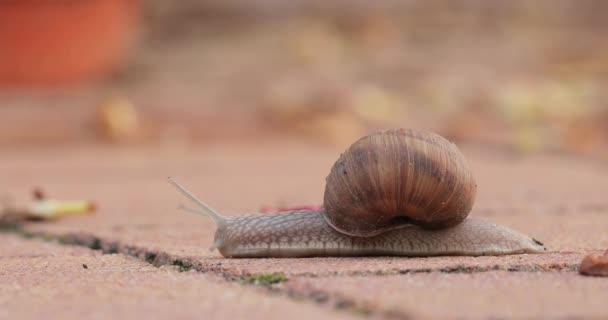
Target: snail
{"points": [[396, 192]]}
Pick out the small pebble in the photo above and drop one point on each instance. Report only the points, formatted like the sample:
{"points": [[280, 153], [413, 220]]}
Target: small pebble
{"points": [[595, 264]]}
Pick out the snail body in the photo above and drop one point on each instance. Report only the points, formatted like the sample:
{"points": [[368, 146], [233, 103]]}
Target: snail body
{"points": [[306, 234], [396, 192]]}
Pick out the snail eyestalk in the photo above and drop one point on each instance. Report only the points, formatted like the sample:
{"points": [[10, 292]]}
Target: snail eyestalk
{"points": [[217, 217], [192, 210]]}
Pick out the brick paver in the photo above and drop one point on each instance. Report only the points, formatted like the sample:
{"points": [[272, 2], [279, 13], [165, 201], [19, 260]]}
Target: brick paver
{"points": [[41, 280], [484, 295], [557, 199]]}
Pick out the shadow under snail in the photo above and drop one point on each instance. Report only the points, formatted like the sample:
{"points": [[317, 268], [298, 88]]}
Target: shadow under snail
{"points": [[397, 192]]}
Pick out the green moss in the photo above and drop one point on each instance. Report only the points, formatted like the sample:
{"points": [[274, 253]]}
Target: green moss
{"points": [[362, 312], [95, 245], [10, 228], [27, 234], [264, 279], [182, 266], [112, 248], [150, 257]]}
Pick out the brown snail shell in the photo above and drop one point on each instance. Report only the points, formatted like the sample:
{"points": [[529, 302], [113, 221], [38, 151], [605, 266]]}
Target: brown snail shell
{"points": [[397, 177]]}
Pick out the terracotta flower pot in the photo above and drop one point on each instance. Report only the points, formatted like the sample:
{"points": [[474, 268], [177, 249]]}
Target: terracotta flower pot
{"points": [[52, 42]]}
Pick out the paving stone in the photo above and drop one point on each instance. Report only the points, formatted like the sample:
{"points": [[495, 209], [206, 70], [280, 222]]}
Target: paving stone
{"points": [[557, 199], [41, 280], [488, 295]]}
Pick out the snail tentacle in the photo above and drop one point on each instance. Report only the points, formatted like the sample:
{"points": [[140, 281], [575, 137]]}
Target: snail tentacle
{"points": [[217, 217]]}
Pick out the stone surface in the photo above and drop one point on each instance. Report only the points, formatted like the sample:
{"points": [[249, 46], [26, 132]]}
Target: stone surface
{"points": [[41, 280], [494, 295], [559, 200]]}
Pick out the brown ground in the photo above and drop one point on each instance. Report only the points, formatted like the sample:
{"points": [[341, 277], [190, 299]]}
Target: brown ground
{"points": [[48, 281], [559, 200]]}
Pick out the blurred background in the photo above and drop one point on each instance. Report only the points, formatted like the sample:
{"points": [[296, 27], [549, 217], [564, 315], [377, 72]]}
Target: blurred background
{"points": [[520, 76]]}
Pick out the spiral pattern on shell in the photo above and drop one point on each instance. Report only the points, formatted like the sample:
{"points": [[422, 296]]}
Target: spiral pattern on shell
{"points": [[398, 177]]}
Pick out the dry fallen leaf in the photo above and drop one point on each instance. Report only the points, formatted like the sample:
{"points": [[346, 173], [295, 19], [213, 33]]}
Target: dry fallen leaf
{"points": [[378, 105], [595, 264], [316, 42], [320, 113], [118, 120]]}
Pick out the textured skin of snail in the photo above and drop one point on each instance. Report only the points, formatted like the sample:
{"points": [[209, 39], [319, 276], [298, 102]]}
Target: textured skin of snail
{"points": [[306, 234]]}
